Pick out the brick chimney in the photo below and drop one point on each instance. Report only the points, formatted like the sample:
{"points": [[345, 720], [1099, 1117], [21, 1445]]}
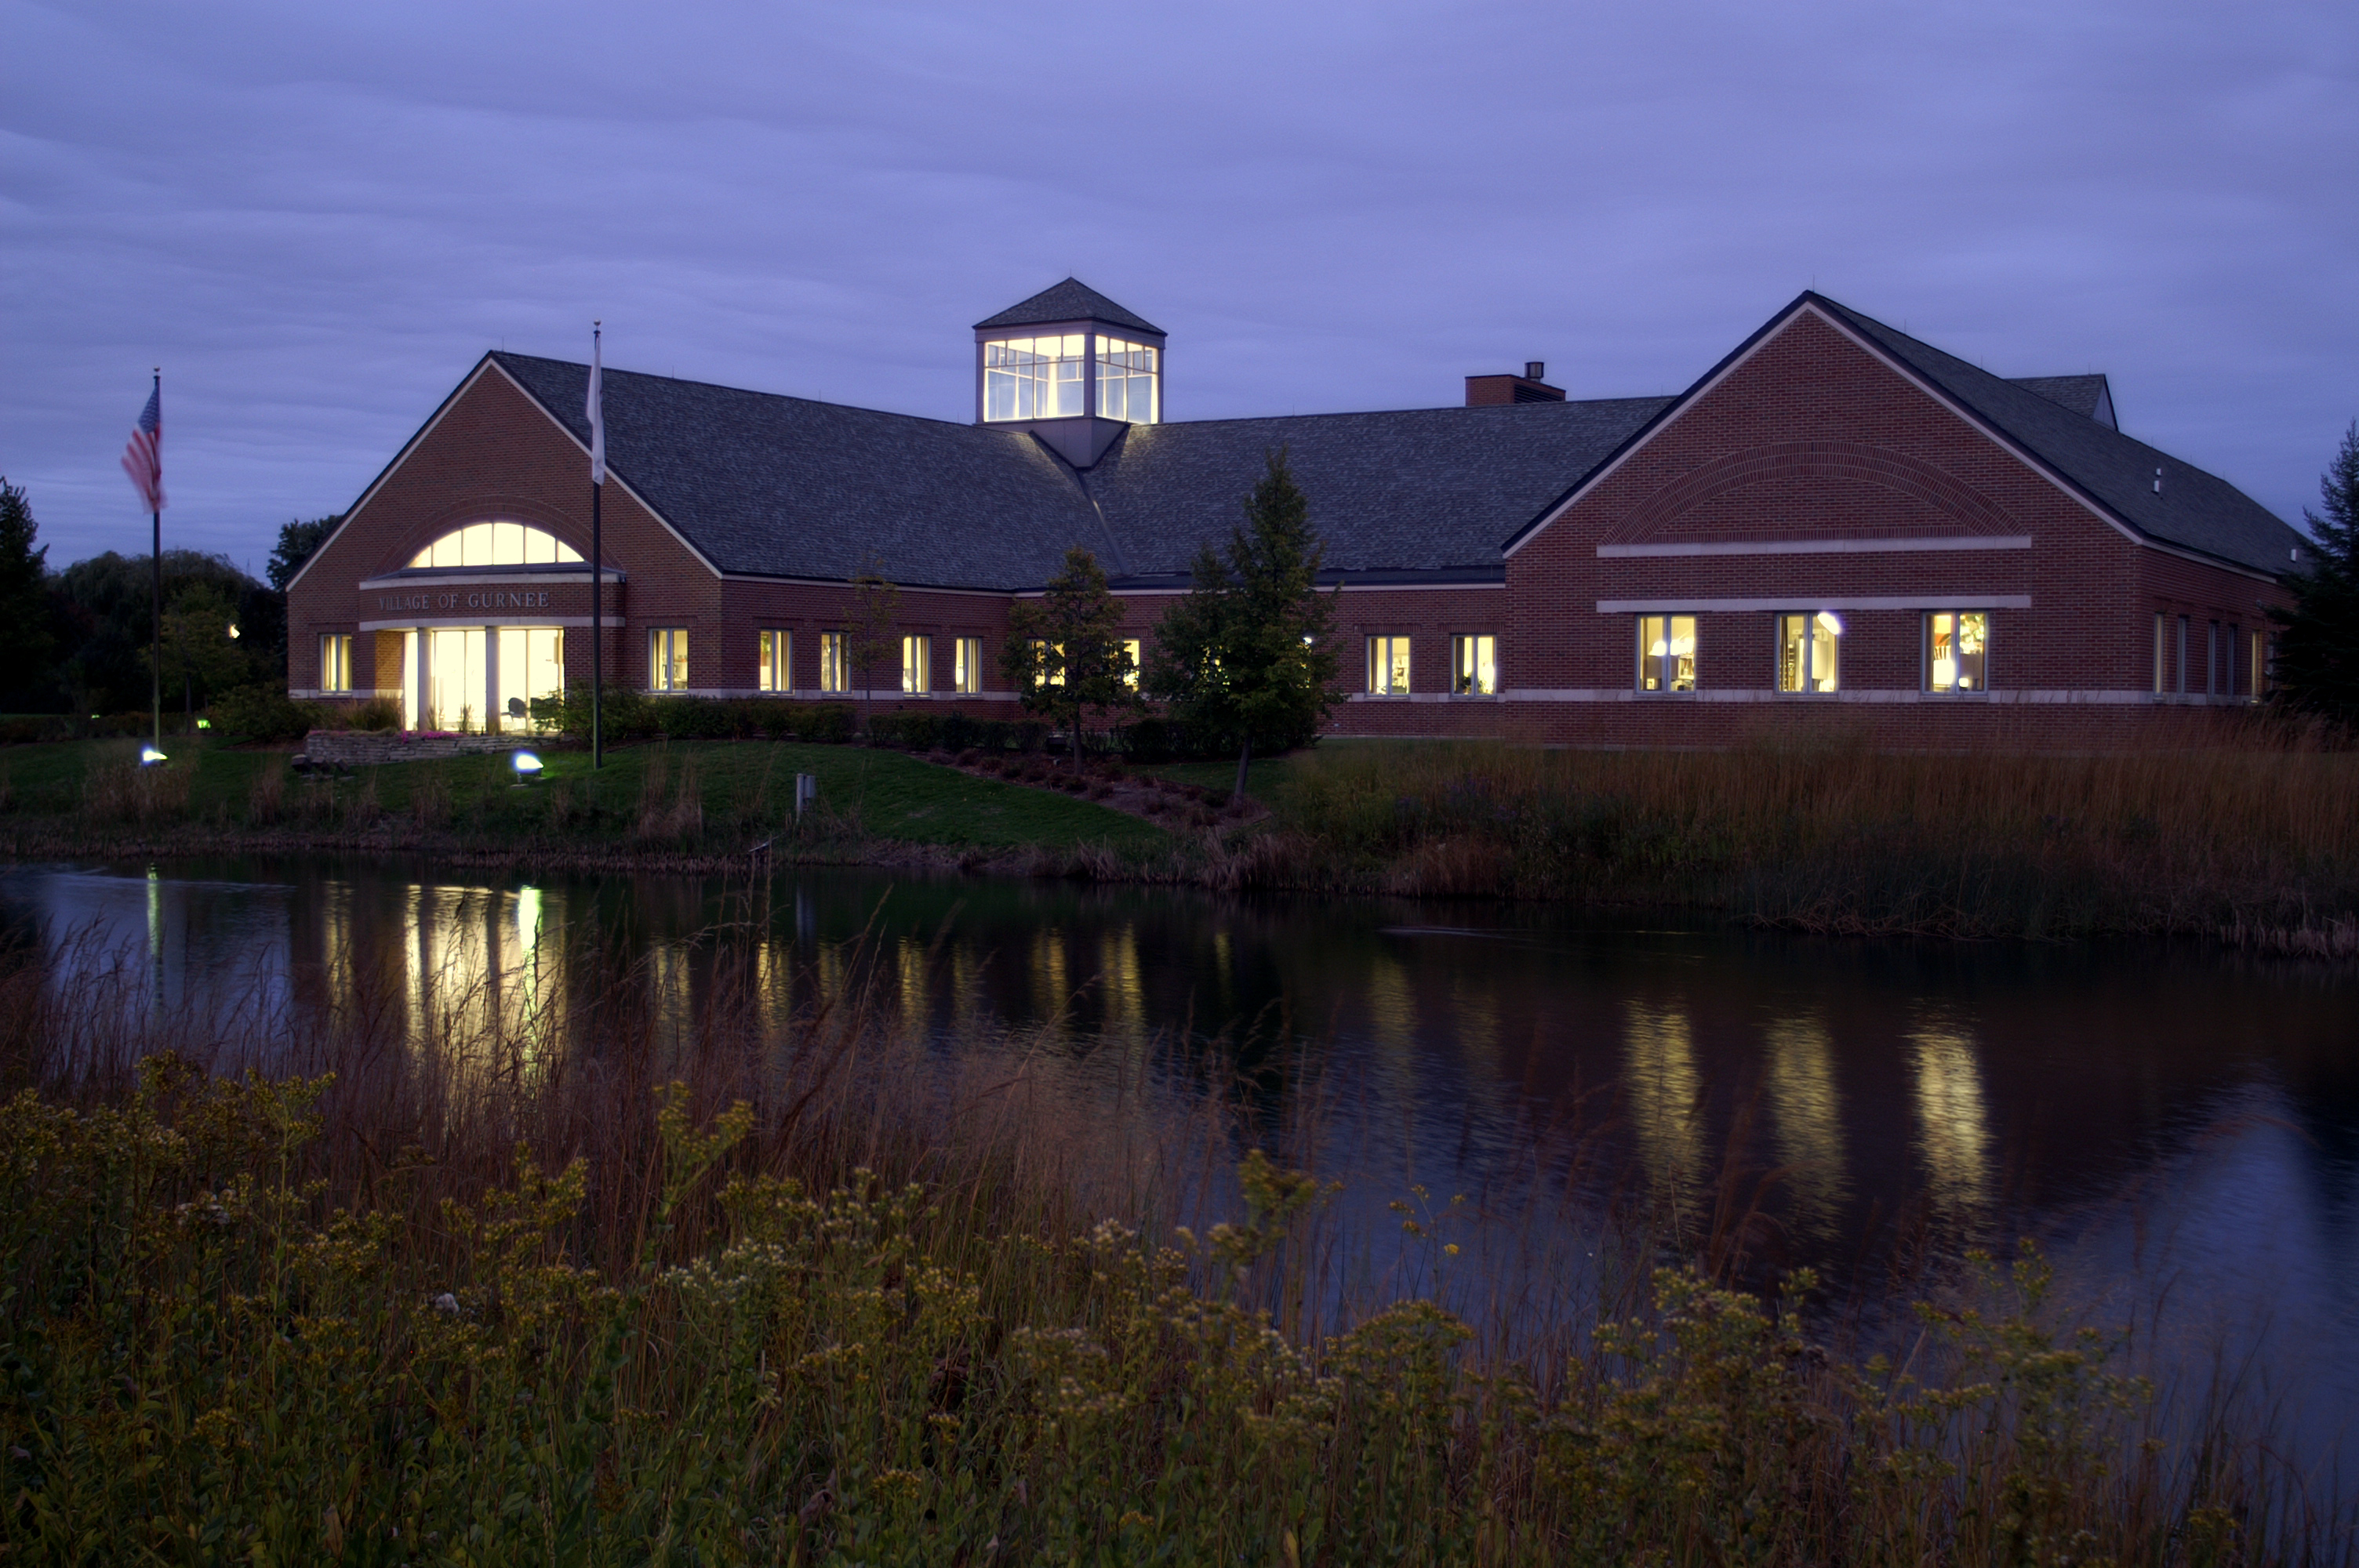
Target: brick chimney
{"points": [[1491, 391]]}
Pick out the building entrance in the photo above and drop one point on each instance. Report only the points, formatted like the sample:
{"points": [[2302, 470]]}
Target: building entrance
{"points": [[479, 678]]}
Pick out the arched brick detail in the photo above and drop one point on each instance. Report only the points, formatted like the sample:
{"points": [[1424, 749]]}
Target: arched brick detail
{"points": [[1856, 461], [490, 508]]}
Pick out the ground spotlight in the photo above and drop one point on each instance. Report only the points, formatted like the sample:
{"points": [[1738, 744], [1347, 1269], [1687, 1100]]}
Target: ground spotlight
{"points": [[150, 756], [527, 766]]}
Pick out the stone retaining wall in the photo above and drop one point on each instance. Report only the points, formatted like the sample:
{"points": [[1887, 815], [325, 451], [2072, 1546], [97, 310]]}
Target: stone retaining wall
{"points": [[366, 748]]}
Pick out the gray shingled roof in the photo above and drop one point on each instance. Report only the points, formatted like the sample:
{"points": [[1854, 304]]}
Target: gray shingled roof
{"points": [[2083, 395], [2195, 509], [1421, 489], [771, 486], [1071, 300]]}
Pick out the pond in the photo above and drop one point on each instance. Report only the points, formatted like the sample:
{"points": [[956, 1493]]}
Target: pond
{"points": [[2174, 1123]]}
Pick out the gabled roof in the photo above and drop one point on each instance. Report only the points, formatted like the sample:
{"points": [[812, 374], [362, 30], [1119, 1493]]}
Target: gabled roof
{"points": [[1071, 300], [1419, 490], [769, 486], [2194, 510], [2084, 394]]}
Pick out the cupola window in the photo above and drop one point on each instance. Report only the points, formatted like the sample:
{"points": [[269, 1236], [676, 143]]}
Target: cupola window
{"points": [[1127, 381], [1034, 378], [496, 545]]}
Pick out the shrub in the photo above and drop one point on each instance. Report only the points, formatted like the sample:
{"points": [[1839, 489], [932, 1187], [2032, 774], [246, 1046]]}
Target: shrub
{"points": [[263, 712]]}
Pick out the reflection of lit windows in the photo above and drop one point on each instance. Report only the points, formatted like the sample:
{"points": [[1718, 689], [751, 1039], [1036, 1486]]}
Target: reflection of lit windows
{"points": [[336, 662], [834, 662], [1667, 653], [1125, 381], [1475, 666], [1808, 651], [1957, 651], [1388, 667], [1033, 378], [495, 544], [917, 664], [778, 661], [667, 658], [966, 672]]}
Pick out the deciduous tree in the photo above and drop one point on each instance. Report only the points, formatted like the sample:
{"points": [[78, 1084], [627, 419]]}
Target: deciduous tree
{"points": [[1066, 652], [874, 633], [297, 542]]}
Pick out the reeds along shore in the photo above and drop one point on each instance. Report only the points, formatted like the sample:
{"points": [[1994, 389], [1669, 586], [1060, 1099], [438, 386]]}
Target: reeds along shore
{"points": [[799, 1289], [2259, 842]]}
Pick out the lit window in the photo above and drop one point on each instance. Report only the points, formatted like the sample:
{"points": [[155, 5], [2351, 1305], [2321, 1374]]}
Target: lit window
{"points": [[1389, 666], [1050, 657], [2161, 658], [1131, 647], [834, 662], [336, 662], [1475, 666], [667, 658], [1808, 651], [917, 664], [1033, 378], [1957, 652], [1127, 381], [1667, 653], [966, 673], [496, 545], [778, 661], [531, 669]]}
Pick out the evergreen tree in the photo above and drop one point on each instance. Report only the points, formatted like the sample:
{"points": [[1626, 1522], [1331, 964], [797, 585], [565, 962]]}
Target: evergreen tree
{"points": [[297, 542], [1066, 652], [1247, 656], [2316, 668], [24, 612]]}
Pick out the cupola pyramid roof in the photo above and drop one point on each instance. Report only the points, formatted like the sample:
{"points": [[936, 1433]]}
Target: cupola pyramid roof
{"points": [[1071, 300]]}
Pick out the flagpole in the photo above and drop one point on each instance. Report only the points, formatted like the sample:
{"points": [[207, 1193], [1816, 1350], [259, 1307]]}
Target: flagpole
{"points": [[597, 575], [155, 584]]}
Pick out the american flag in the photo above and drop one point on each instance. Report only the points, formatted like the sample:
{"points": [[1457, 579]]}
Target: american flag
{"points": [[143, 459]]}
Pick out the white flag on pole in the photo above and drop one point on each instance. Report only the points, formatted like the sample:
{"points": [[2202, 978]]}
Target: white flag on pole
{"points": [[597, 415]]}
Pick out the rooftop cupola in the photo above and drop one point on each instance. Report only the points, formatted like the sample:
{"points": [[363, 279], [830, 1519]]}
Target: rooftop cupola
{"points": [[1071, 366]]}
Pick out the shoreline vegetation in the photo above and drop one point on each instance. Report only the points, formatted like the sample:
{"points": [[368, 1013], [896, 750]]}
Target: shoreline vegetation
{"points": [[2251, 843], [567, 1286]]}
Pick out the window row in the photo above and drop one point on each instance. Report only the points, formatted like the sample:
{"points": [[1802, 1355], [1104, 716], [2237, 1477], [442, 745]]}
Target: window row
{"points": [[668, 662], [1807, 653], [2236, 660]]}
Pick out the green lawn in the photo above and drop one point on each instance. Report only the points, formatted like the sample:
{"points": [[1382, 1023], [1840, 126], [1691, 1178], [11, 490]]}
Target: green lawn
{"points": [[747, 789]]}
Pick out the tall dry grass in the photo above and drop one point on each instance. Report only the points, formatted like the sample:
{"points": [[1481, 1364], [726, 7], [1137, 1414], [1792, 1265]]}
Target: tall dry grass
{"points": [[1838, 837], [634, 1276]]}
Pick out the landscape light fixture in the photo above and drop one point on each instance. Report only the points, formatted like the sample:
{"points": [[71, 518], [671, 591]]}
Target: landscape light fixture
{"points": [[150, 756], [204, 723], [527, 766]]}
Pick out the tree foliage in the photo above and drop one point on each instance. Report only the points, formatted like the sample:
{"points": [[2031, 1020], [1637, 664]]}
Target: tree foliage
{"points": [[2316, 668], [1247, 657], [874, 634], [297, 542], [25, 636], [1066, 652], [106, 601]]}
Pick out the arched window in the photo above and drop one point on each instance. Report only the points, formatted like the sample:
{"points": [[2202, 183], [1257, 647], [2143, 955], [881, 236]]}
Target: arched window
{"points": [[496, 545]]}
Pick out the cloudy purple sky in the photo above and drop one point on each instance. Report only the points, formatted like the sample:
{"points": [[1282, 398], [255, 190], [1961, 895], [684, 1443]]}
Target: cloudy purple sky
{"points": [[316, 217]]}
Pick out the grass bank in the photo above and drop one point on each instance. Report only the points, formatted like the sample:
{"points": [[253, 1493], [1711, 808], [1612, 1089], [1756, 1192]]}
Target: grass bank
{"points": [[794, 1291]]}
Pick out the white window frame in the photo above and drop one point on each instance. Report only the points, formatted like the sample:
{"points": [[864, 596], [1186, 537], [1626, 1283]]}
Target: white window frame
{"points": [[836, 663], [335, 661], [774, 660], [1809, 675], [1666, 663], [1468, 648], [966, 667], [1383, 686], [1925, 655], [667, 668], [917, 664]]}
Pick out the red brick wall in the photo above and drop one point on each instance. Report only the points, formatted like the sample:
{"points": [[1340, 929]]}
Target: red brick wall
{"points": [[1811, 435]]}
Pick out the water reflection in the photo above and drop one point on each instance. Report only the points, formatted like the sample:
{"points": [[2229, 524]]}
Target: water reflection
{"points": [[1952, 1127], [1806, 1108], [1665, 1093]]}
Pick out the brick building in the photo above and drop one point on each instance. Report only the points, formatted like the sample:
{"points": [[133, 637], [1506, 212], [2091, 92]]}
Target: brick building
{"points": [[1835, 521]]}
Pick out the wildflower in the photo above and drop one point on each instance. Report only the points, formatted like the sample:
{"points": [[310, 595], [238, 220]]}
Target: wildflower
{"points": [[447, 1304]]}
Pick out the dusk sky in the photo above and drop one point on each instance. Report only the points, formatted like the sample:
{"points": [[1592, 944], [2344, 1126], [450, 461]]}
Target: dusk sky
{"points": [[316, 218]]}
